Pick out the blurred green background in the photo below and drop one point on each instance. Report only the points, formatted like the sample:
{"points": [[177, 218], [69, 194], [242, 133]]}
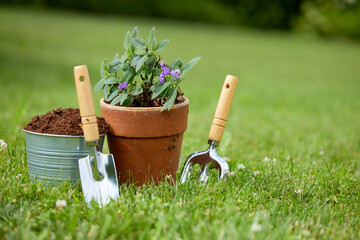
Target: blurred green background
{"points": [[326, 17]]}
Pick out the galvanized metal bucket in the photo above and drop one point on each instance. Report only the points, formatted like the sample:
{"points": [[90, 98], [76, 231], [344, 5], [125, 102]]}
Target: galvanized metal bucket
{"points": [[53, 159]]}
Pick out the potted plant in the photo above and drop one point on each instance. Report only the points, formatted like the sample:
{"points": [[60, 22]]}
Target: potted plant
{"points": [[145, 109]]}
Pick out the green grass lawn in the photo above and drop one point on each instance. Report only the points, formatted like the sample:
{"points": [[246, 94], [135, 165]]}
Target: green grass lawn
{"points": [[298, 100]]}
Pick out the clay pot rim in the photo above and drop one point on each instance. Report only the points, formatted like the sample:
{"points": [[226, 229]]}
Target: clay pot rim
{"points": [[156, 109]]}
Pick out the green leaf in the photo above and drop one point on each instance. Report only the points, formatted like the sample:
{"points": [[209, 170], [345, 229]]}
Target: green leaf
{"points": [[190, 64], [115, 100], [156, 72], [151, 38], [177, 64], [135, 61], [123, 97], [170, 101], [138, 90], [115, 68], [128, 101], [128, 74], [123, 58], [115, 64], [99, 85], [126, 66], [112, 95], [112, 80], [161, 45], [127, 41], [131, 50], [103, 68], [159, 88], [106, 91], [140, 63], [150, 63], [140, 51], [153, 44], [135, 32], [152, 88], [164, 93], [139, 43], [119, 99]]}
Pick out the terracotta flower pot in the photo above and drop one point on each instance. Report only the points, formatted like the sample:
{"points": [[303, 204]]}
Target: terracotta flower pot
{"points": [[145, 142]]}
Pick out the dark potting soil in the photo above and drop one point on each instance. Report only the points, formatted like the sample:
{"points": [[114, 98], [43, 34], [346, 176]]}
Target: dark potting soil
{"points": [[62, 122]]}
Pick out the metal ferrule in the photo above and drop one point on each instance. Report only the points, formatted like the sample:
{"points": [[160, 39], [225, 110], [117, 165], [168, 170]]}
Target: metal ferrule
{"points": [[213, 143], [93, 143]]}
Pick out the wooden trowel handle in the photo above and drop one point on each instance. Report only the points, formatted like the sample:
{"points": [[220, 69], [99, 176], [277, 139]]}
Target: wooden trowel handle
{"points": [[223, 108], [86, 103]]}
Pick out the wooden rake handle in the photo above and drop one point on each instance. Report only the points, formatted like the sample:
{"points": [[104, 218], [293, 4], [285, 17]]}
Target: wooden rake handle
{"points": [[86, 103], [223, 108]]}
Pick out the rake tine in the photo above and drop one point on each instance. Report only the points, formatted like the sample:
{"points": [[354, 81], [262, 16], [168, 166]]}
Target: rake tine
{"points": [[186, 172], [204, 174]]}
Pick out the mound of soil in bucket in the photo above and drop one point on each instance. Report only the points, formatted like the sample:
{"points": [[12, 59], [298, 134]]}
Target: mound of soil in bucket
{"points": [[62, 122]]}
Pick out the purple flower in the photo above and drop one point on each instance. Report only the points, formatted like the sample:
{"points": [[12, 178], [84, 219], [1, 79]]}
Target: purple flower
{"points": [[162, 78], [163, 66], [123, 85], [166, 71], [175, 73]]}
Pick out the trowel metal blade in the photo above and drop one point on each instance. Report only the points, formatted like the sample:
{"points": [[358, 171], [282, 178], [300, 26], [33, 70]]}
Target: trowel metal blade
{"points": [[99, 191]]}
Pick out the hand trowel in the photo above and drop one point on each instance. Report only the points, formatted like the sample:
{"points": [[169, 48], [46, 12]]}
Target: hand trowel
{"points": [[97, 171]]}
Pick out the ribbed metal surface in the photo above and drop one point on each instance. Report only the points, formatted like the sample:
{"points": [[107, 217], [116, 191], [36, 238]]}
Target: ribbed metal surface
{"points": [[53, 159]]}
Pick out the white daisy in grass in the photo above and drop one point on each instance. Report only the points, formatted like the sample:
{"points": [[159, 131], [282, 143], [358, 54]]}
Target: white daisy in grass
{"points": [[241, 166], [255, 227], [299, 191], [3, 145], [61, 204]]}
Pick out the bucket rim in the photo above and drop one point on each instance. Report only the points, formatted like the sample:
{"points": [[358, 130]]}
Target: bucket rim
{"points": [[57, 135]]}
